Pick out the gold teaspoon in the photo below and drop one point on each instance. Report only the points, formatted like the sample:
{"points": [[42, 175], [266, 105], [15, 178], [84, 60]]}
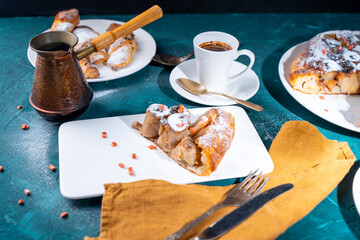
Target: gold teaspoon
{"points": [[199, 89]]}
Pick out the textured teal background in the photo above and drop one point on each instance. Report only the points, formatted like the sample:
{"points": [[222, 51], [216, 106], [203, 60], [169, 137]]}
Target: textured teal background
{"points": [[26, 155]]}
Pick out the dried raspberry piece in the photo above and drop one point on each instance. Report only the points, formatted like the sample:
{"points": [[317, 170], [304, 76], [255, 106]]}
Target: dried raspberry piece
{"points": [[181, 108], [27, 192], [131, 171], [134, 156], [1, 168], [52, 167], [64, 214], [24, 126], [21, 202], [19, 107], [152, 147], [121, 165]]}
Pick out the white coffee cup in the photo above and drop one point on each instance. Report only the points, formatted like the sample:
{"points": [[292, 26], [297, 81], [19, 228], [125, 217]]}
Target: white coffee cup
{"points": [[214, 66]]}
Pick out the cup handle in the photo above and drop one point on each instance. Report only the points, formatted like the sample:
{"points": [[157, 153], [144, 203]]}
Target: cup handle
{"points": [[248, 53]]}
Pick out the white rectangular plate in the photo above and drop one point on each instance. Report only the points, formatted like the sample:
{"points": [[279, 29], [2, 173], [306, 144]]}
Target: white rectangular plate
{"points": [[87, 161]]}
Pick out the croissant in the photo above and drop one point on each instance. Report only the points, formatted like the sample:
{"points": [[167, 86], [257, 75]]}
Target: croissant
{"points": [[66, 20], [120, 52]]}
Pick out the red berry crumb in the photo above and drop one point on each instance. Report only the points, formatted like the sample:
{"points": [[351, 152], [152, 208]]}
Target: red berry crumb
{"points": [[19, 107], [351, 46], [27, 192], [326, 110], [104, 136], [104, 133], [64, 214], [114, 144], [152, 147], [134, 155], [324, 51], [1, 168], [131, 171], [52, 167], [340, 48], [121, 165], [322, 97], [21, 202], [24, 126]]}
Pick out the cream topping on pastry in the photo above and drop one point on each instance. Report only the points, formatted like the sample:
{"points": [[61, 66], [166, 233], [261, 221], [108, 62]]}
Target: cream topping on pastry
{"points": [[159, 110], [178, 122]]}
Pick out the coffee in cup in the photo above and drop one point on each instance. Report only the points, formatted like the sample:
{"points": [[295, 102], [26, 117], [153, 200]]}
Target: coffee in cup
{"points": [[214, 54]]}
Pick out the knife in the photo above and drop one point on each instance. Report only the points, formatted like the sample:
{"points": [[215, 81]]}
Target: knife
{"points": [[241, 213]]}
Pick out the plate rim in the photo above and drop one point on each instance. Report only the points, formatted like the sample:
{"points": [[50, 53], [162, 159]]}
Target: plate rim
{"points": [[140, 67], [225, 102], [293, 93]]}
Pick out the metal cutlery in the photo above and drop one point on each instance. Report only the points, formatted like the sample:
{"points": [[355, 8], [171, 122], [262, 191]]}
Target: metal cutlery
{"points": [[240, 214], [250, 187]]}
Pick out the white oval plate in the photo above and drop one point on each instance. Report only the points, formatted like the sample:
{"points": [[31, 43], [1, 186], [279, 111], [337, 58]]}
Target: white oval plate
{"points": [[141, 58], [356, 190], [341, 110], [244, 88]]}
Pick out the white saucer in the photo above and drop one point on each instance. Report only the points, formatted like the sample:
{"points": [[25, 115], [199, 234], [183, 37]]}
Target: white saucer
{"points": [[244, 88]]}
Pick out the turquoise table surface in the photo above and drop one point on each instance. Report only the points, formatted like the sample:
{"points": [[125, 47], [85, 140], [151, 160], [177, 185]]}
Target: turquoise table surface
{"points": [[26, 155]]}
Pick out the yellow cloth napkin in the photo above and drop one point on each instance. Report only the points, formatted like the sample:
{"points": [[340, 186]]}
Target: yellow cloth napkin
{"points": [[154, 209]]}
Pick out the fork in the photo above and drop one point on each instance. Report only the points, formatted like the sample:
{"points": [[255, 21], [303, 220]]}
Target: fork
{"points": [[242, 192]]}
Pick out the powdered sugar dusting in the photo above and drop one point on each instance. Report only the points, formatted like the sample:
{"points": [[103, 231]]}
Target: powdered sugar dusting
{"points": [[69, 15], [120, 57], [334, 51], [64, 26], [219, 132], [84, 34]]}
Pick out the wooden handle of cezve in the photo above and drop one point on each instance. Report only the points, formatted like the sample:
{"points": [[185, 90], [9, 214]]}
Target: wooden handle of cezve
{"points": [[107, 38]]}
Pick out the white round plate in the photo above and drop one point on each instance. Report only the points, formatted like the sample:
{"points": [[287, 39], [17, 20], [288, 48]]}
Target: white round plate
{"points": [[342, 110], [244, 88], [142, 56], [356, 190]]}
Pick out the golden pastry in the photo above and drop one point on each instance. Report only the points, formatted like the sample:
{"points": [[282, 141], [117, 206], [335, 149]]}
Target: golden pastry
{"points": [[88, 69], [66, 20], [120, 52], [85, 34], [330, 64], [197, 147]]}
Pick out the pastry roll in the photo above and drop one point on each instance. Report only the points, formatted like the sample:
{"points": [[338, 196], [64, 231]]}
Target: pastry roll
{"points": [[88, 69], [197, 147], [85, 34], [66, 20], [154, 114], [174, 130], [120, 52]]}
